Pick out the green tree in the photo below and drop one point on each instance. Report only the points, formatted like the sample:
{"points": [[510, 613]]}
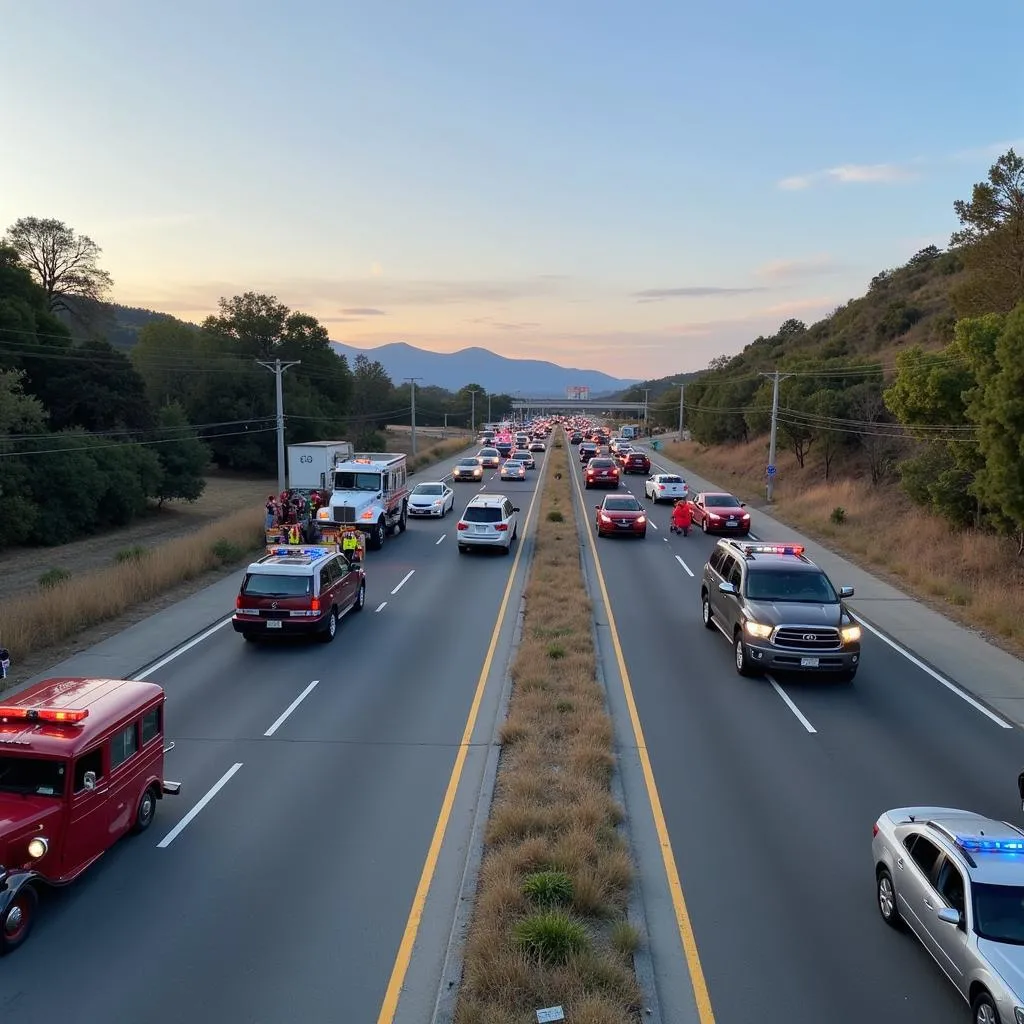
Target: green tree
{"points": [[65, 264], [992, 237], [20, 414], [169, 358], [372, 394], [183, 461]]}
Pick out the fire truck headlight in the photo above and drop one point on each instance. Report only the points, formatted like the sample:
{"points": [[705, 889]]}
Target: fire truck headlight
{"points": [[37, 847]]}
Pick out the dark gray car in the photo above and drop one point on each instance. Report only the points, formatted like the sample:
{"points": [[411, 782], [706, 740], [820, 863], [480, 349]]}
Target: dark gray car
{"points": [[779, 610]]}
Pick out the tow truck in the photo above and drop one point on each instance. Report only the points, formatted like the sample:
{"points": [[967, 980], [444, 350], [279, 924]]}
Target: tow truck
{"points": [[369, 491]]}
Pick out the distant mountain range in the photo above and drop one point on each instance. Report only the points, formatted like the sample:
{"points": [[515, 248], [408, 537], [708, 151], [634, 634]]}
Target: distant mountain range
{"points": [[498, 374], [533, 378]]}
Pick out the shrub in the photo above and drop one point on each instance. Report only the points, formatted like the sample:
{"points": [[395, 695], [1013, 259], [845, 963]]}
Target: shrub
{"points": [[53, 578], [554, 516], [625, 938], [548, 888], [133, 554], [551, 936], [838, 515]]}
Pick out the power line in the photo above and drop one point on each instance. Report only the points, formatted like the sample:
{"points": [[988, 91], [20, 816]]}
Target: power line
{"points": [[131, 444]]}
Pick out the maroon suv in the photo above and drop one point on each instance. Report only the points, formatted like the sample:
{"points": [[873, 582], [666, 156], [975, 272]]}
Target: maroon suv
{"points": [[636, 462]]}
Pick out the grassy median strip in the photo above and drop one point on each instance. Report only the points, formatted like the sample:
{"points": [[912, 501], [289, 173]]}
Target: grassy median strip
{"points": [[549, 926]]}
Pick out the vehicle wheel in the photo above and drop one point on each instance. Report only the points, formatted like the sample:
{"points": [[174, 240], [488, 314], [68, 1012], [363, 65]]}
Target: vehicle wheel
{"points": [[586, 487], [332, 627], [404, 521], [643, 534], [146, 811], [886, 893], [360, 598], [251, 637], [463, 549], [740, 656], [984, 1009], [377, 535], [18, 919], [705, 611]]}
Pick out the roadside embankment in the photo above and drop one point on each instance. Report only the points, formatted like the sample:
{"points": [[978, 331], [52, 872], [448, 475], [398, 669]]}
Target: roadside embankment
{"points": [[974, 577], [549, 925]]}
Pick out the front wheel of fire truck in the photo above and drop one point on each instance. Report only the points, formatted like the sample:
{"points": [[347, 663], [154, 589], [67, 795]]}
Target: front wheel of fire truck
{"points": [[17, 920], [377, 534], [404, 521], [146, 811]]}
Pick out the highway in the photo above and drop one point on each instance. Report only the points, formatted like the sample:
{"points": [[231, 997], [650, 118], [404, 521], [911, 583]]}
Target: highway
{"points": [[286, 896], [769, 792]]}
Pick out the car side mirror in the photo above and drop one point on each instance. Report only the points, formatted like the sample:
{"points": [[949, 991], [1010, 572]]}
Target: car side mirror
{"points": [[89, 781], [743, 504], [514, 509], [846, 592], [726, 588], [947, 915]]}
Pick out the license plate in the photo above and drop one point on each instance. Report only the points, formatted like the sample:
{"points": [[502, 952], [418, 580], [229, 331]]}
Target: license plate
{"points": [[273, 623], [808, 662]]}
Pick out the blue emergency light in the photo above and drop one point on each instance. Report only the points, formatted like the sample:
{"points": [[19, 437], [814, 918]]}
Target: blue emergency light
{"points": [[308, 552], [773, 549], [981, 844]]}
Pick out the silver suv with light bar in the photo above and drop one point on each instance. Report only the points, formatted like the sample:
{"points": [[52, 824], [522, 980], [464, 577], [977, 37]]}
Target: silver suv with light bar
{"points": [[779, 610]]}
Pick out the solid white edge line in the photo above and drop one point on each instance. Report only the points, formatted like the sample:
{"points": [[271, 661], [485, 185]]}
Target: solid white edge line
{"points": [[685, 566], [792, 707], [381, 606], [952, 687], [282, 718], [156, 666], [188, 819], [439, 539], [405, 579]]}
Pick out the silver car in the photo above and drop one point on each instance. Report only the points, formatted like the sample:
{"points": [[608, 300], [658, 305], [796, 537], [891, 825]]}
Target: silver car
{"points": [[434, 498], [956, 879]]}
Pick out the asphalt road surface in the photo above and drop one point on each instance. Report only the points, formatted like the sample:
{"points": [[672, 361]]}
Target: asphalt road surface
{"points": [[770, 822], [285, 898]]}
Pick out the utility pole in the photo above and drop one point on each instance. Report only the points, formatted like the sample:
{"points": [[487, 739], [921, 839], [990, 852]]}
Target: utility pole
{"points": [[277, 368], [682, 398], [472, 414], [489, 420], [445, 425], [770, 471], [412, 387], [646, 392]]}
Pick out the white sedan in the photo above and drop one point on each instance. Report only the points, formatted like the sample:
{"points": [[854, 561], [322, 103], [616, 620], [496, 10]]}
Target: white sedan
{"points": [[666, 487], [434, 498]]}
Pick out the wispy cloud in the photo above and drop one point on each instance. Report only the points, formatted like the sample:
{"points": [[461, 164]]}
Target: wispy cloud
{"points": [[989, 152], [663, 294], [793, 270], [363, 311], [847, 174]]}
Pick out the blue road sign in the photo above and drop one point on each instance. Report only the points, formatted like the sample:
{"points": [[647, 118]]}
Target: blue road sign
{"points": [[771, 471]]}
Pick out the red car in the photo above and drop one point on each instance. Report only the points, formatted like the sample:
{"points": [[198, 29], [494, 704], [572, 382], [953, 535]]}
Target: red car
{"points": [[81, 765], [636, 462], [621, 514], [718, 512], [601, 472]]}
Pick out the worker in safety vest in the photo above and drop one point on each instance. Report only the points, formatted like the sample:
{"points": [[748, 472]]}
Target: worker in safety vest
{"points": [[352, 545], [294, 536]]}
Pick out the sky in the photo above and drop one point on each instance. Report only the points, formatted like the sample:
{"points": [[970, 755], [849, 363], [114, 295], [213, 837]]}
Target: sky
{"points": [[628, 187]]}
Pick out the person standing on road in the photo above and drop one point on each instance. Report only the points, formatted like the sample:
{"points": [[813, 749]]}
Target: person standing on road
{"points": [[682, 517]]}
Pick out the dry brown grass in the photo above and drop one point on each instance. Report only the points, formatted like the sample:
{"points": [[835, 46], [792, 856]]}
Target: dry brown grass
{"points": [[972, 576], [553, 809], [51, 614], [431, 443]]}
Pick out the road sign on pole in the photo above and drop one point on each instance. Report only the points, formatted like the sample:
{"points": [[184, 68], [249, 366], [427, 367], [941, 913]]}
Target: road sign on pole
{"points": [[771, 471]]}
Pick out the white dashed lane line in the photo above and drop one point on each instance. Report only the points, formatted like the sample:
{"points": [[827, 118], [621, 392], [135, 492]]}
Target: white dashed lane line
{"points": [[439, 539], [801, 718], [402, 582], [283, 717], [381, 606], [689, 571], [187, 820]]}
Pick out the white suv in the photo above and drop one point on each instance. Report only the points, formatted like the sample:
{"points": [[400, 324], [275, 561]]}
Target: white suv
{"points": [[490, 521]]}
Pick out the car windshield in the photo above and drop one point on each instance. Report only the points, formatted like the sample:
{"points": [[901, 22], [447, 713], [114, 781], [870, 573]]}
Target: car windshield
{"points": [[470, 463], [428, 489], [488, 453], [999, 912], [346, 481], [482, 514], [721, 501], [621, 505], [273, 585], [785, 585], [32, 776]]}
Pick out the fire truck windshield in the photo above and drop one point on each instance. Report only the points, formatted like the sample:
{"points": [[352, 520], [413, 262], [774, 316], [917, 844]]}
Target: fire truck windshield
{"points": [[346, 481], [32, 776]]}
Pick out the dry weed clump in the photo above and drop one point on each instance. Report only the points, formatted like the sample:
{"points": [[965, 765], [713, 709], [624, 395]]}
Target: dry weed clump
{"points": [[438, 453], [66, 604], [549, 925], [976, 577]]}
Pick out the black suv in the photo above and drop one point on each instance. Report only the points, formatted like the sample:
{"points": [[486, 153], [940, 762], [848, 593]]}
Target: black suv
{"points": [[779, 610]]}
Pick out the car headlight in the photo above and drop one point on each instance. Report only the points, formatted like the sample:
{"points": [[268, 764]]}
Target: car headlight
{"points": [[758, 629], [641, 519], [851, 634], [37, 847]]}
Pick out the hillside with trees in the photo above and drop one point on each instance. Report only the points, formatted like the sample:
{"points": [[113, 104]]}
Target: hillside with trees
{"points": [[920, 382], [96, 428]]}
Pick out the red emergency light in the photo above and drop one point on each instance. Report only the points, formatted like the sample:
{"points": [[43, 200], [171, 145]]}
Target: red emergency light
{"points": [[42, 715]]}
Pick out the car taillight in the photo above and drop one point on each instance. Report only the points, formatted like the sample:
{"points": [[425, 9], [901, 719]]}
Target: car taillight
{"points": [[238, 601], [661, 487], [314, 605], [874, 830], [501, 526], [462, 526]]}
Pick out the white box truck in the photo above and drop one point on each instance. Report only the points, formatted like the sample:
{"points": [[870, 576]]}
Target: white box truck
{"points": [[310, 465]]}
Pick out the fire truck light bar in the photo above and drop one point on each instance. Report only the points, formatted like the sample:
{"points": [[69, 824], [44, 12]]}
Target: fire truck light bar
{"points": [[773, 549], [42, 715]]}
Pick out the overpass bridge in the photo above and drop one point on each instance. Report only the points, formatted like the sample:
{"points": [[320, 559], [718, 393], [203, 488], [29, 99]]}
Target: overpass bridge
{"points": [[530, 405]]}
